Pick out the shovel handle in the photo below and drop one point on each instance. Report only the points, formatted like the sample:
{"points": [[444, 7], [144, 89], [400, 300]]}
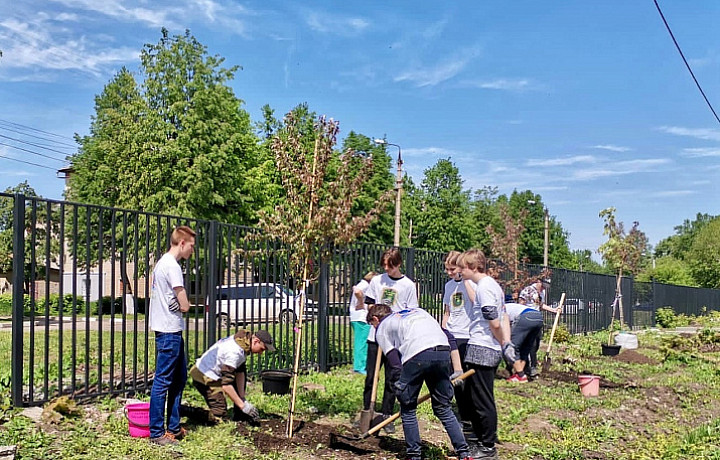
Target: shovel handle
{"points": [[421, 399], [555, 323], [376, 377]]}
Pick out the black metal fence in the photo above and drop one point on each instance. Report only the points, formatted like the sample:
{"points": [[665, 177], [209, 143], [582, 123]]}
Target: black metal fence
{"points": [[81, 288]]}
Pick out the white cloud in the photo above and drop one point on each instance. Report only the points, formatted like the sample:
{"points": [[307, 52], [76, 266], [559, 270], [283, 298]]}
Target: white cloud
{"points": [[438, 152], [673, 193], [335, 24], [701, 152], [618, 168], [502, 84], [31, 46], [698, 133], [115, 9], [66, 17], [612, 148], [440, 72], [562, 161]]}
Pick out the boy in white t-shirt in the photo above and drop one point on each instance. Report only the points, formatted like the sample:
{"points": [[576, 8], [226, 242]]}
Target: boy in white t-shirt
{"points": [[222, 371], [418, 351], [399, 292], [489, 341], [168, 302], [358, 322]]}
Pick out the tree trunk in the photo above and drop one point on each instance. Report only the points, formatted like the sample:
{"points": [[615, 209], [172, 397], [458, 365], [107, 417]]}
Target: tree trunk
{"points": [[618, 292]]}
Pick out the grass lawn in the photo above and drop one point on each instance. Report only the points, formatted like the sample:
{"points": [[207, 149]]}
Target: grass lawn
{"points": [[656, 402]]}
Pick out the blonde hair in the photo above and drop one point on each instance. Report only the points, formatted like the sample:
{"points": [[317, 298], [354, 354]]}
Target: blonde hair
{"points": [[369, 275], [451, 259], [182, 232], [474, 259]]}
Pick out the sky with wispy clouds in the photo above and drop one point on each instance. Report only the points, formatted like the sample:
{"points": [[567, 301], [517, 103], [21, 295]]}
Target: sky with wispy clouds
{"points": [[586, 103]]}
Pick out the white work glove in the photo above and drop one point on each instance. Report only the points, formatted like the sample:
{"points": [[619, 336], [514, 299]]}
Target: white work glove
{"points": [[508, 351], [251, 410]]}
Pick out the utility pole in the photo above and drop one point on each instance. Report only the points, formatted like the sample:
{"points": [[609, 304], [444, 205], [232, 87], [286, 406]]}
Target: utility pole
{"points": [[398, 188]]}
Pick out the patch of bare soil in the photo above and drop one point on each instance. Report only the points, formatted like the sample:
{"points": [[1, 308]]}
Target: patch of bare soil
{"points": [[321, 441], [634, 357]]}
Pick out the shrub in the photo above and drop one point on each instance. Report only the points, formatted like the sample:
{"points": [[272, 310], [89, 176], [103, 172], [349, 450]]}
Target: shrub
{"points": [[665, 317]]}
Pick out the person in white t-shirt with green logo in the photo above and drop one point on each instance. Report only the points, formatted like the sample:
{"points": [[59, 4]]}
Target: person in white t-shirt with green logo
{"points": [[168, 302], [358, 322]]}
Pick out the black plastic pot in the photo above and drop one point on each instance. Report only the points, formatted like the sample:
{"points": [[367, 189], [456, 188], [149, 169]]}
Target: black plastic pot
{"points": [[276, 382], [610, 350]]}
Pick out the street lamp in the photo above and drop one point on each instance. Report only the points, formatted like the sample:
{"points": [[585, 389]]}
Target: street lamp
{"points": [[398, 188], [546, 223]]}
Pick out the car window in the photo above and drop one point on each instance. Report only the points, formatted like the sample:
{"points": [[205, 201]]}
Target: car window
{"points": [[267, 292]]}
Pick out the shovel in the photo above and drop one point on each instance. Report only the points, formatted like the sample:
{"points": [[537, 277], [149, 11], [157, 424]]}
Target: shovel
{"points": [[547, 361], [335, 438], [367, 416]]}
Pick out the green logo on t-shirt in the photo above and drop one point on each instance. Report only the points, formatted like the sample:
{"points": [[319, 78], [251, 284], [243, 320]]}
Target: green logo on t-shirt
{"points": [[388, 296], [457, 300]]}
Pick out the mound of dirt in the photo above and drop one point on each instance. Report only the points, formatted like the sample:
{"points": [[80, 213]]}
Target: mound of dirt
{"points": [[324, 441], [634, 357]]}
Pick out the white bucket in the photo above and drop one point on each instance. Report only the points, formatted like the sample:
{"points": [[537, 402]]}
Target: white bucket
{"points": [[626, 340]]}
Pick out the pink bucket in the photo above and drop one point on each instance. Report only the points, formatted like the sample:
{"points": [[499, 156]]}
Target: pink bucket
{"points": [[138, 416], [589, 385]]}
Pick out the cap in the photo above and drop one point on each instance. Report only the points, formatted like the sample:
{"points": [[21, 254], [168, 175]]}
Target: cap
{"points": [[267, 339]]}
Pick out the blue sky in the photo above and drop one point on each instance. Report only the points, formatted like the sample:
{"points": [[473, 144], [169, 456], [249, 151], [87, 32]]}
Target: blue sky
{"points": [[586, 103]]}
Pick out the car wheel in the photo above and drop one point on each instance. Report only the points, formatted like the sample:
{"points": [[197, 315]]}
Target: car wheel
{"points": [[287, 317]]}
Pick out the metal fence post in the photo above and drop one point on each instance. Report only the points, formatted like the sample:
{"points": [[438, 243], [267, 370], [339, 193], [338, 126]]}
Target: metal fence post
{"points": [[211, 326], [323, 340], [18, 298], [410, 264], [654, 301]]}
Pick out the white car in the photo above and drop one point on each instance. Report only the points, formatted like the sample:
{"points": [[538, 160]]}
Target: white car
{"points": [[259, 302]]}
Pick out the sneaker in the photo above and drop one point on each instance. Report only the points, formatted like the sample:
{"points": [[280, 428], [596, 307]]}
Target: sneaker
{"points": [[534, 372], [480, 452], [390, 427], [517, 378], [165, 440], [180, 435]]}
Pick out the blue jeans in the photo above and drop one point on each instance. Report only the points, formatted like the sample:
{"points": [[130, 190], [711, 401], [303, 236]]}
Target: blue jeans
{"points": [[361, 331], [170, 380], [433, 368]]}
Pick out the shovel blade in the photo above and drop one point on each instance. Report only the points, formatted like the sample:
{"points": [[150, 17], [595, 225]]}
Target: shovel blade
{"points": [[546, 363], [366, 418]]}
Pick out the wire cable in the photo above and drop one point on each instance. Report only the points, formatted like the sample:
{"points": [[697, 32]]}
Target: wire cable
{"points": [[667, 26], [34, 129], [30, 151], [63, 144], [27, 162], [36, 145]]}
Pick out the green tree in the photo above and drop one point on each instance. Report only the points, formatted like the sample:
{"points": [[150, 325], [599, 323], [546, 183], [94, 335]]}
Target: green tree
{"points": [[445, 219], [668, 270], [704, 255], [177, 143], [679, 244], [623, 250], [41, 223]]}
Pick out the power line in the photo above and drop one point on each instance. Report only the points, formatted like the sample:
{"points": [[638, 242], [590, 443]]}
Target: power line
{"points": [[26, 162], [36, 145], [667, 26], [34, 129], [37, 137], [30, 151]]}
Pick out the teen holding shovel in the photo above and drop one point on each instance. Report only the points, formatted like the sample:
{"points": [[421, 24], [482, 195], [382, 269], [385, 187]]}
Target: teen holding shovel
{"points": [[418, 351]]}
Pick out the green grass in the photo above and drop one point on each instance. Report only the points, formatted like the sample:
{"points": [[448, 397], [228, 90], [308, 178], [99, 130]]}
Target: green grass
{"points": [[666, 410]]}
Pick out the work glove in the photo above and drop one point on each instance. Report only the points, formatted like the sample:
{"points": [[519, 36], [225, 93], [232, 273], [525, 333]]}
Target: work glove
{"points": [[250, 410], [508, 351], [459, 383]]}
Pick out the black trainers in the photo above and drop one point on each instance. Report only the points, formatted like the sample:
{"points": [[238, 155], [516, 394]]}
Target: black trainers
{"points": [[390, 427]]}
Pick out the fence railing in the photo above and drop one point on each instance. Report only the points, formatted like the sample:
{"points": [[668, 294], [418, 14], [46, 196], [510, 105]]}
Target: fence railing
{"points": [[81, 286]]}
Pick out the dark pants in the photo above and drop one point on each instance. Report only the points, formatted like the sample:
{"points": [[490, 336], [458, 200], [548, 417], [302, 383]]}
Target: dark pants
{"points": [[462, 393], [388, 400], [482, 394], [526, 333], [432, 368], [169, 382], [214, 396]]}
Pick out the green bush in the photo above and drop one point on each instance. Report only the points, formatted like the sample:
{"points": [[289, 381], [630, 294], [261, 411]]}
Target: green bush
{"points": [[665, 317], [5, 304]]}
